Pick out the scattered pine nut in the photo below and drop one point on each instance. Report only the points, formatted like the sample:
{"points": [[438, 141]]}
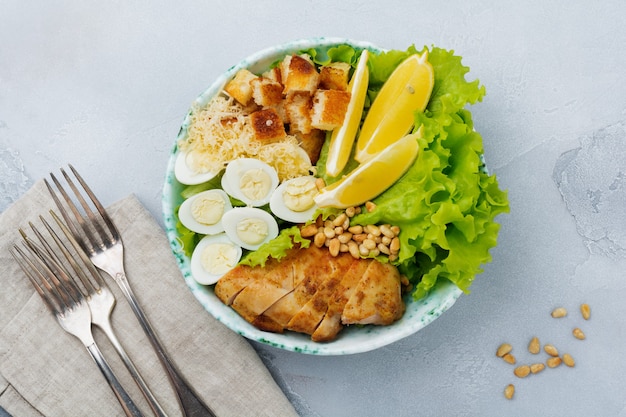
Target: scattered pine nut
{"points": [[508, 358], [534, 347], [503, 349], [559, 312], [553, 362], [578, 334], [509, 391], [551, 350], [585, 311], [522, 371], [535, 368], [568, 360]]}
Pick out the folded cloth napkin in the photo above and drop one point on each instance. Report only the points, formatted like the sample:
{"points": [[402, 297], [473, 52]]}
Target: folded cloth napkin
{"points": [[45, 371]]}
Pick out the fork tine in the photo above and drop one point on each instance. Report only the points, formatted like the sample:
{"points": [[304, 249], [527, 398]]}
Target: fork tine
{"points": [[85, 243], [89, 285], [32, 272], [87, 209], [54, 263], [107, 220]]}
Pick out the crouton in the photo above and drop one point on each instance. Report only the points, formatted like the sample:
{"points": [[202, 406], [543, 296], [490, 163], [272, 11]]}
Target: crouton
{"points": [[298, 109], [273, 74], [312, 143], [267, 125], [329, 109], [299, 74], [334, 76], [239, 87], [266, 92]]}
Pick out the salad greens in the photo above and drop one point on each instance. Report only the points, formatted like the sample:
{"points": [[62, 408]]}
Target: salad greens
{"points": [[446, 203]]}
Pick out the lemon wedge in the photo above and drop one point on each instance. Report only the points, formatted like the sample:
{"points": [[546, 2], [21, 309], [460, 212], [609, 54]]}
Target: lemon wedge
{"points": [[407, 90], [342, 138], [373, 177]]}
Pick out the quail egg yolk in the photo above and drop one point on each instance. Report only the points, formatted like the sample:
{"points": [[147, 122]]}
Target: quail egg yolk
{"points": [[299, 193], [219, 258], [208, 209], [255, 184], [252, 231]]}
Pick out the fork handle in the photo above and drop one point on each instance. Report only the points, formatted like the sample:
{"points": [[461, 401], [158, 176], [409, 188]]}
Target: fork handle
{"points": [[129, 407], [189, 401]]}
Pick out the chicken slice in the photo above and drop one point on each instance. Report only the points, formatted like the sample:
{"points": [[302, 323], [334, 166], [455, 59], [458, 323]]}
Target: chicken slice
{"points": [[331, 325], [311, 314], [311, 267], [235, 281], [377, 298]]}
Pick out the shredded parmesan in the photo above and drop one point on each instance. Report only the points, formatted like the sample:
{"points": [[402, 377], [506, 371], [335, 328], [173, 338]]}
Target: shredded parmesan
{"points": [[221, 132]]}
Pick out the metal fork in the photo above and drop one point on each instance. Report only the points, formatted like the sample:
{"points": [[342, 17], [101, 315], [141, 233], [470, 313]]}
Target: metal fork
{"points": [[99, 297], [69, 308], [100, 239]]}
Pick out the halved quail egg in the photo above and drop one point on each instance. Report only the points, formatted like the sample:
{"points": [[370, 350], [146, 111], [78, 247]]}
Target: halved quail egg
{"points": [[250, 180], [249, 227], [202, 213], [186, 174], [213, 257], [293, 199]]}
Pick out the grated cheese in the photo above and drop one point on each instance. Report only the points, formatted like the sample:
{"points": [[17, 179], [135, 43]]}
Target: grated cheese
{"points": [[220, 132]]}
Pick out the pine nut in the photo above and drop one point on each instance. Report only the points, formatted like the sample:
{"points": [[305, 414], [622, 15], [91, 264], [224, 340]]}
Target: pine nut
{"points": [[353, 248], [585, 311], [522, 371], [386, 240], [340, 219], [551, 350], [350, 212], [333, 247], [535, 368], [319, 240], [395, 230], [385, 229], [568, 360], [509, 358], [394, 246], [578, 334], [559, 312], [503, 349], [553, 362], [309, 230], [345, 237], [319, 183], [363, 250], [369, 244], [384, 249], [343, 248], [369, 206], [373, 229], [509, 391], [329, 232], [374, 252], [358, 238], [338, 230], [534, 347], [356, 230]]}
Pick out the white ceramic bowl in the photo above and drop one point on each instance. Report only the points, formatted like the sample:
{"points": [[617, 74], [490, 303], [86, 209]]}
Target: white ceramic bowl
{"points": [[353, 339]]}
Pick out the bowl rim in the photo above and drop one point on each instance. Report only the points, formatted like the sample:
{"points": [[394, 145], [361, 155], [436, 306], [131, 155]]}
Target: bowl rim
{"points": [[352, 339]]}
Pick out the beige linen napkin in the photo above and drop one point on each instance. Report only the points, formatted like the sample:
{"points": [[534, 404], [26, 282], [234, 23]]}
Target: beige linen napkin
{"points": [[45, 371]]}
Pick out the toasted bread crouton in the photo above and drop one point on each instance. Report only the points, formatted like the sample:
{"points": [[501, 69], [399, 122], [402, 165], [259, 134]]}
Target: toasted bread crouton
{"points": [[266, 92], [312, 143], [329, 109], [299, 74], [298, 109], [274, 74], [239, 87], [334, 76], [267, 125]]}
